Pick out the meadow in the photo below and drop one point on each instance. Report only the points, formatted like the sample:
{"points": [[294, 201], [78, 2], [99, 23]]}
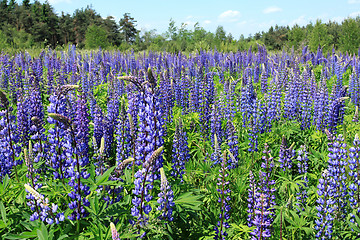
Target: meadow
{"points": [[157, 145]]}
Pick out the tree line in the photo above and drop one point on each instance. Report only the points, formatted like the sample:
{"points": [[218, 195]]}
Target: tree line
{"points": [[36, 25]]}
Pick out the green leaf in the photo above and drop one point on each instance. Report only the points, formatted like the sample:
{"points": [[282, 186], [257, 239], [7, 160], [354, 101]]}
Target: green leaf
{"points": [[103, 178], [24, 235], [188, 200], [43, 233], [3, 212]]}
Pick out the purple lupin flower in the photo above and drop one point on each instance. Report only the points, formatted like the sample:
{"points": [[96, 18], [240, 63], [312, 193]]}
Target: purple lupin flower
{"points": [[114, 232], [56, 133], [251, 199], [337, 172], [166, 198], [180, 152], [9, 140], [44, 211], [265, 199], [232, 142], [302, 164], [123, 149], [354, 184], [286, 155], [224, 199], [143, 184], [325, 214]]}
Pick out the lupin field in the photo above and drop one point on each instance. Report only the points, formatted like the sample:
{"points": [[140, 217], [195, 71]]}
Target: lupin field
{"points": [[207, 145]]}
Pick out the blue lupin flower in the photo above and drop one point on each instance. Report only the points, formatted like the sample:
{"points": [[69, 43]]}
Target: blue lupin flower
{"points": [[302, 164], [9, 140], [325, 207], [285, 155], [166, 198], [337, 172], [143, 184], [224, 199], [265, 199], [180, 152], [123, 149], [251, 199], [44, 211], [354, 183], [232, 142]]}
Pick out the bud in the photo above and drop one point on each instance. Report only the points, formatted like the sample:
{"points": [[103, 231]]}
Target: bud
{"points": [[114, 232], [66, 88], [102, 145], [153, 156], [356, 115], [3, 99], [66, 121]]}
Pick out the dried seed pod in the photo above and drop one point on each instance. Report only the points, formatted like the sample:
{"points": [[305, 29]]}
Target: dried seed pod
{"points": [[3, 99]]}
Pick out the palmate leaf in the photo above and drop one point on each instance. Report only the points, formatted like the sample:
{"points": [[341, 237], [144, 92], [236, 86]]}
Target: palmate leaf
{"points": [[100, 180], [190, 201], [3, 213], [43, 233], [23, 235]]}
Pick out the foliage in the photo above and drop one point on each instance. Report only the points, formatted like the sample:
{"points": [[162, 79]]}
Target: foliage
{"points": [[96, 37], [102, 144]]}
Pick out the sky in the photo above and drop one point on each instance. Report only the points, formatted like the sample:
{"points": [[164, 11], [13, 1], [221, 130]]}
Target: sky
{"points": [[236, 16]]}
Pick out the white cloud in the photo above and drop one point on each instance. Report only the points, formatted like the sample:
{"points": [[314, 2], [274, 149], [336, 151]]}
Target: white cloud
{"points": [[339, 19], [229, 16], [354, 14], [301, 21], [353, 1], [242, 23], [272, 10], [206, 22]]}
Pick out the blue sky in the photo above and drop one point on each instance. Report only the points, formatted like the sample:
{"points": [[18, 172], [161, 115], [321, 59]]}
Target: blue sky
{"points": [[236, 16]]}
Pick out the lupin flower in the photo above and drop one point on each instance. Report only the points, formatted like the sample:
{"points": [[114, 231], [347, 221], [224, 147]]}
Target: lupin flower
{"points": [[216, 155], [123, 149], [302, 163], [77, 159], [56, 134], [9, 140], [251, 199], [286, 155], [325, 208], [180, 152], [166, 198], [143, 184], [356, 115], [44, 211], [114, 232], [337, 172], [354, 184], [151, 126], [265, 199], [232, 141], [224, 199]]}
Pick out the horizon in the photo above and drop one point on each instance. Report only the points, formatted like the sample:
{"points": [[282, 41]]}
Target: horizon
{"points": [[237, 17]]}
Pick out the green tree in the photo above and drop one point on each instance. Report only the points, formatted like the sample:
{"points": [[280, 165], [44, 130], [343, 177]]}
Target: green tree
{"points": [[171, 32], [66, 26], [95, 37], [3, 41], [220, 35], [320, 36], [128, 29], [82, 19], [350, 36], [112, 30], [297, 36]]}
